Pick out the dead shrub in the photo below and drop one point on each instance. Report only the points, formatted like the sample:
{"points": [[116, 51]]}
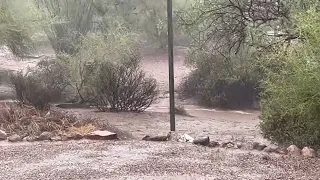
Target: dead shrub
{"points": [[83, 130], [26, 120], [123, 87]]}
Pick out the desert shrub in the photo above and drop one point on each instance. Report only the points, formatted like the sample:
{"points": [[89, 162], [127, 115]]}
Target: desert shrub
{"points": [[23, 119], [116, 46], [41, 86], [221, 82], [70, 21], [15, 33], [291, 101], [55, 75], [123, 87], [106, 72]]}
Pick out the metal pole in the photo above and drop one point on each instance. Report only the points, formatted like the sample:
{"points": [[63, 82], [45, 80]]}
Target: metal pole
{"points": [[171, 72]]}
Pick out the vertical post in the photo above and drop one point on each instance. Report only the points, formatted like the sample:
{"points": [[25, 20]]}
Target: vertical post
{"points": [[171, 72]]}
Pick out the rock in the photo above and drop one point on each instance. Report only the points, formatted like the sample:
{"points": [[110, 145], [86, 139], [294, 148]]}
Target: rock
{"points": [[213, 144], [293, 150], [265, 158], [158, 138], [102, 135], [76, 136], [270, 149], [173, 136], [45, 136], [3, 135], [238, 145], [30, 138], [308, 152], [186, 138], [282, 151], [64, 138], [258, 146], [204, 141], [14, 138], [228, 145], [56, 138]]}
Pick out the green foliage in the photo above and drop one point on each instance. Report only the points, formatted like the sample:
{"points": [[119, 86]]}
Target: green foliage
{"points": [[18, 22], [221, 82], [291, 101], [106, 72], [69, 21], [146, 18], [120, 46]]}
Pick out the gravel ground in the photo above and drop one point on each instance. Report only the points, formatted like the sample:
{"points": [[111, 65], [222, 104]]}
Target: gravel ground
{"points": [[146, 160], [135, 159]]}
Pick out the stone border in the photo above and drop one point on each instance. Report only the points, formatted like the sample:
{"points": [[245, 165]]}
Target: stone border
{"points": [[292, 150]]}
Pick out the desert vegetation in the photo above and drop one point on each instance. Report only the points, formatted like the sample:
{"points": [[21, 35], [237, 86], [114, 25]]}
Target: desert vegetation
{"points": [[245, 51], [242, 53]]}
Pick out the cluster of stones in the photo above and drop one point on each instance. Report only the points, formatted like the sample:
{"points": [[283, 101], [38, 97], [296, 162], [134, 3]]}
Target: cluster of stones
{"points": [[48, 136], [292, 150]]}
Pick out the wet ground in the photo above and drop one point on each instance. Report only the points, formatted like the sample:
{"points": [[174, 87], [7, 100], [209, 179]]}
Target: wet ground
{"points": [[137, 159]]}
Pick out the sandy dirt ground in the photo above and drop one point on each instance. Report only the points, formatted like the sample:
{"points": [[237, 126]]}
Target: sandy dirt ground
{"points": [[137, 159]]}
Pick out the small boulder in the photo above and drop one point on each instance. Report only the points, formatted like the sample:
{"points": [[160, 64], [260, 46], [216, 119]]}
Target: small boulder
{"points": [[204, 141], [258, 146], [213, 144], [30, 138], [308, 152], [64, 137], [282, 151], [56, 138], [3, 135], [293, 150], [45, 136], [156, 138], [238, 145], [186, 138], [228, 145], [265, 158], [14, 138], [270, 149], [104, 135], [76, 136]]}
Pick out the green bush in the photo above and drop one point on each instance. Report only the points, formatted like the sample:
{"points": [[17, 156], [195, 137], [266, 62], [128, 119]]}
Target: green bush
{"points": [[106, 72], [117, 47], [14, 32], [217, 81], [70, 21], [291, 101], [42, 86]]}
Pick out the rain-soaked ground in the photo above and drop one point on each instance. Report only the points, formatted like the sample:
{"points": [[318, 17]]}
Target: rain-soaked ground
{"points": [[137, 159]]}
